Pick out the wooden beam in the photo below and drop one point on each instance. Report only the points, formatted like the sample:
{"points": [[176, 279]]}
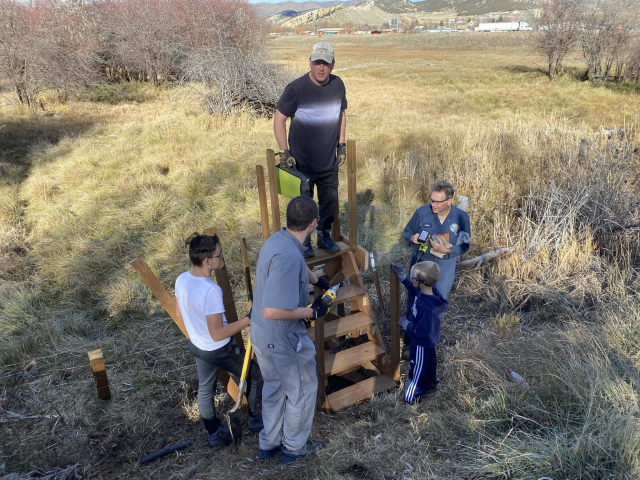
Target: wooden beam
{"points": [[394, 368], [96, 360], [273, 190], [362, 255], [264, 208], [352, 199], [335, 231], [247, 270], [319, 344], [158, 290], [222, 279]]}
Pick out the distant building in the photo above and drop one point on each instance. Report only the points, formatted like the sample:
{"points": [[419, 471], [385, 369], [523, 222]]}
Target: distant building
{"points": [[331, 31]]}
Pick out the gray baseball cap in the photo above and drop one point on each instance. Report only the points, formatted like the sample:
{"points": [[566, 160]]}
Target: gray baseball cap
{"points": [[322, 51]]}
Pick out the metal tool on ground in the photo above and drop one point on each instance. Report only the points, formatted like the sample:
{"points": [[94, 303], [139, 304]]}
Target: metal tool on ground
{"points": [[233, 417], [377, 282], [165, 451]]}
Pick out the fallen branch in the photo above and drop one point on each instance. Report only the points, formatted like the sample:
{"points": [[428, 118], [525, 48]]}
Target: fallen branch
{"points": [[480, 259], [12, 417]]}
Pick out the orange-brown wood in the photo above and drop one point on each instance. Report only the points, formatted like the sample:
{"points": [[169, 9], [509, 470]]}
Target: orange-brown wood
{"points": [[360, 392], [158, 290], [273, 190], [247, 271], [351, 182], [319, 344], [96, 360], [394, 360], [335, 231], [222, 279], [362, 255], [264, 208]]}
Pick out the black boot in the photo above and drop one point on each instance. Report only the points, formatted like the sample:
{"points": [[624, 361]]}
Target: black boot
{"points": [[308, 249], [325, 242]]}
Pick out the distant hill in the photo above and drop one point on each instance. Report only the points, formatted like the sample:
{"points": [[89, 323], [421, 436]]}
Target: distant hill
{"points": [[289, 9]]}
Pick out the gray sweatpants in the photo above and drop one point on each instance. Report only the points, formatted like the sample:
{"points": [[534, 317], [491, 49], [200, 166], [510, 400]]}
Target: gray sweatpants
{"points": [[287, 359]]}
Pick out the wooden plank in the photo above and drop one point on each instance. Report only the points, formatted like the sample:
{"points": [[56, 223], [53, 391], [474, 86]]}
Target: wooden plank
{"points": [[352, 198], [247, 270], [262, 197], [319, 344], [360, 392], [341, 361], [273, 190], [344, 326], [362, 255], [335, 231], [346, 293], [158, 290], [394, 360], [96, 360], [232, 388], [322, 256], [222, 279]]}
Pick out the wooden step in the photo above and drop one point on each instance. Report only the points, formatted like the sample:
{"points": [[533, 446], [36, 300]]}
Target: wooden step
{"points": [[360, 392], [345, 359], [346, 293], [343, 326], [322, 256]]}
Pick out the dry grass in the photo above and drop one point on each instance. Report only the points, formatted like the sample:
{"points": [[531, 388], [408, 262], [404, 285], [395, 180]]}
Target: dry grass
{"points": [[130, 171]]}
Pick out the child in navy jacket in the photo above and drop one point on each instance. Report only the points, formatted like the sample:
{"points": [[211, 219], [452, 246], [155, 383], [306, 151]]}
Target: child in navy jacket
{"points": [[423, 326]]}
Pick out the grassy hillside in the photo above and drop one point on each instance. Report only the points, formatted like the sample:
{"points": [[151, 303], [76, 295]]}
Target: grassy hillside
{"points": [[128, 171]]}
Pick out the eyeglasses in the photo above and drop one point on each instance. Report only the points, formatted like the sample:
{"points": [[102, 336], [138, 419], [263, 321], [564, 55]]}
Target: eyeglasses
{"points": [[438, 202], [221, 256]]}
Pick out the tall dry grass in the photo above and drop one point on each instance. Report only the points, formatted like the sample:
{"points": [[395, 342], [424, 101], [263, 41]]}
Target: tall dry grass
{"points": [[130, 171]]}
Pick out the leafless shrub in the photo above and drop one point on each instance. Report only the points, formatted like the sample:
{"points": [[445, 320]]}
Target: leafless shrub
{"points": [[559, 25], [605, 38], [46, 45], [230, 80]]}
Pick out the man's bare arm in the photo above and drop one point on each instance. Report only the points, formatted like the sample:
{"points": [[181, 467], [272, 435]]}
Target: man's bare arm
{"points": [[343, 126], [219, 332], [287, 314], [280, 129], [312, 277]]}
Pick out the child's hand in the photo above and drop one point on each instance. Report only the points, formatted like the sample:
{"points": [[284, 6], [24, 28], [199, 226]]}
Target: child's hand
{"points": [[398, 269], [403, 322]]}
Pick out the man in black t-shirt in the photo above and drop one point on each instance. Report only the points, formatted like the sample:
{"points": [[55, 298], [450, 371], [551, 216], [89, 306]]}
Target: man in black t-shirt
{"points": [[316, 104]]}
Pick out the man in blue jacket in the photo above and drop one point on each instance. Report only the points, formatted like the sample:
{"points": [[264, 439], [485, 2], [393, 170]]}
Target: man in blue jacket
{"points": [[449, 235], [423, 326]]}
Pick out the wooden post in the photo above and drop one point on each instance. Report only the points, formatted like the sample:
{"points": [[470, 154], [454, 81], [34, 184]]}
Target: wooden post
{"points": [[247, 271], [262, 197], [96, 360], [353, 205], [319, 343], [335, 231], [222, 279], [394, 370], [273, 190], [151, 281]]}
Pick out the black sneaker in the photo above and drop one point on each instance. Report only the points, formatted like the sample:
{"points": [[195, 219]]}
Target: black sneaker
{"points": [[310, 448], [255, 423], [325, 242], [220, 437], [267, 454], [406, 353], [308, 249]]}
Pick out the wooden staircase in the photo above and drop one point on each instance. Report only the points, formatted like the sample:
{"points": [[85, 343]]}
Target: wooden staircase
{"points": [[364, 352], [360, 359]]}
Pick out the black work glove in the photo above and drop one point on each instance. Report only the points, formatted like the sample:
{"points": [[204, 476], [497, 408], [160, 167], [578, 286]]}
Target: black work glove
{"points": [[322, 283], [286, 159], [249, 314], [398, 269], [342, 153], [319, 308]]}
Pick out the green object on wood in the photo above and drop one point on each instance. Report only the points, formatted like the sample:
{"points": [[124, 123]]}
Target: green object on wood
{"points": [[292, 183]]}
